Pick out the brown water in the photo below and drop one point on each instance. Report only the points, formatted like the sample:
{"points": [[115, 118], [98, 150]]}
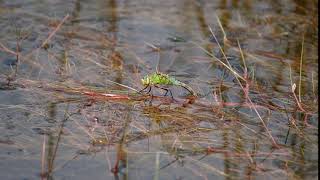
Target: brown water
{"points": [[50, 130]]}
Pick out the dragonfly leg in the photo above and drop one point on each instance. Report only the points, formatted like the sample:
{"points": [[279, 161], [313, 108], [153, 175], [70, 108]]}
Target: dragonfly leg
{"points": [[150, 102], [149, 90], [167, 90], [144, 88], [171, 94], [147, 86]]}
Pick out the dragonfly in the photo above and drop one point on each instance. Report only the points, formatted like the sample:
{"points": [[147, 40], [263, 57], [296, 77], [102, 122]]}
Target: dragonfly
{"points": [[159, 79], [156, 79]]}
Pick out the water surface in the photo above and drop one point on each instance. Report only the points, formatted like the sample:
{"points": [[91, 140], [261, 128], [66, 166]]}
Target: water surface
{"points": [[51, 52]]}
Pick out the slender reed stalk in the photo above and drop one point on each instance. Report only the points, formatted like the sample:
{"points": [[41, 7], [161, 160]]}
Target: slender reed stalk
{"points": [[300, 73], [157, 166], [43, 153]]}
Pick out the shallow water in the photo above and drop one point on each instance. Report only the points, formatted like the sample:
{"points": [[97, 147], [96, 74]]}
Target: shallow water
{"points": [[52, 129]]}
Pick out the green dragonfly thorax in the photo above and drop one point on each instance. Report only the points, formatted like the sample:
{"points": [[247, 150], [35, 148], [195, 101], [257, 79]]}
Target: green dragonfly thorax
{"points": [[159, 79]]}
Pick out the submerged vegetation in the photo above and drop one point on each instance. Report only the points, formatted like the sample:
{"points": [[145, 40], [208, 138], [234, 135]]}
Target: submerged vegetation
{"points": [[72, 101]]}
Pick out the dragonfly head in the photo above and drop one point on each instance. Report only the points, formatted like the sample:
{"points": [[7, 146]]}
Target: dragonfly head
{"points": [[145, 81]]}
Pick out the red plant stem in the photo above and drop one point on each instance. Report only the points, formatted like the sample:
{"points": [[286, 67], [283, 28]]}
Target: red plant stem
{"points": [[54, 31], [5, 49]]}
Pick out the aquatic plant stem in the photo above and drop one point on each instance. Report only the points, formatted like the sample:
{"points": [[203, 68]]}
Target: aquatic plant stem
{"points": [[5, 49], [221, 27], [300, 73], [293, 88], [128, 87], [224, 64], [246, 91], [313, 86], [157, 166], [55, 150], [54, 31], [43, 154]]}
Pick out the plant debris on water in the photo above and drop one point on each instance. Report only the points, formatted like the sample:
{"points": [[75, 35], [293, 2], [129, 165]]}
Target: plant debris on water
{"points": [[82, 96]]}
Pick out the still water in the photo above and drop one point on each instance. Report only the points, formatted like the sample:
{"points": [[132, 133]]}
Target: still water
{"points": [[253, 63]]}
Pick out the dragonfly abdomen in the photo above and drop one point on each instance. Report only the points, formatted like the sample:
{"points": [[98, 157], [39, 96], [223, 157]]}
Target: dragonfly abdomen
{"points": [[181, 84]]}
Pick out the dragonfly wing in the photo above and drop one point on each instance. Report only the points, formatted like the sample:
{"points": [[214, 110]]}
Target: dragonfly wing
{"points": [[165, 60]]}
